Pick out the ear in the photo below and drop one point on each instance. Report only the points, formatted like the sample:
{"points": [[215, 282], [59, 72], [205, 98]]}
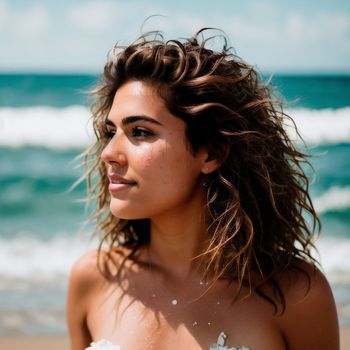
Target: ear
{"points": [[210, 165]]}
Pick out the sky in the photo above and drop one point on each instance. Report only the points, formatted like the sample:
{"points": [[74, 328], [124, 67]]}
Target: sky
{"points": [[76, 35]]}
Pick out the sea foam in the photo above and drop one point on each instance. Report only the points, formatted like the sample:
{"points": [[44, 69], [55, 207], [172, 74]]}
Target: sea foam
{"points": [[323, 126], [335, 198], [70, 127], [31, 260], [45, 126]]}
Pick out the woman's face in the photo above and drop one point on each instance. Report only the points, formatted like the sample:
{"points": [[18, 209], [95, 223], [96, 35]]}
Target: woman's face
{"points": [[150, 166]]}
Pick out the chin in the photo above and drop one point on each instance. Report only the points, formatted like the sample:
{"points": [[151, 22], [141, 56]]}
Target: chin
{"points": [[125, 212]]}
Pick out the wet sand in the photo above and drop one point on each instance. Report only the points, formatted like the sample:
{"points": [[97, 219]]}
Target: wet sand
{"points": [[34, 342]]}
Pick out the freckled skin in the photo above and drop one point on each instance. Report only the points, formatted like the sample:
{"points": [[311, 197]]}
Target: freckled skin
{"points": [[168, 175]]}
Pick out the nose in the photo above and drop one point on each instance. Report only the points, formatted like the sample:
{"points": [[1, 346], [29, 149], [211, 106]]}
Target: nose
{"points": [[114, 153]]}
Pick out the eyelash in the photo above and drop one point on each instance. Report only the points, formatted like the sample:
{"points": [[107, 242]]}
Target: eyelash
{"points": [[141, 132], [108, 133], [136, 132]]}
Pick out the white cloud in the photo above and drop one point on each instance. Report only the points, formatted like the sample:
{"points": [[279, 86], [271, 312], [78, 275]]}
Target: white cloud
{"points": [[106, 16], [79, 34], [317, 29], [292, 40], [4, 14], [295, 29], [24, 23], [34, 22], [93, 16]]}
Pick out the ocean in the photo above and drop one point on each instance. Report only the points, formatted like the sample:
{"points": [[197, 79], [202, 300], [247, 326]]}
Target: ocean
{"points": [[44, 125]]}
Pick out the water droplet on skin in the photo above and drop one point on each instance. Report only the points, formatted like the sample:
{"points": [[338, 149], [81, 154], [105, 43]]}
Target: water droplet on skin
{"points": [[174, 302], [209, 323], [194, 323]]}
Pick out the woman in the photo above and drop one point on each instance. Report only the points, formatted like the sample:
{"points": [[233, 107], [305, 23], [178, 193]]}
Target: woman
{"points": [[202, 201]]}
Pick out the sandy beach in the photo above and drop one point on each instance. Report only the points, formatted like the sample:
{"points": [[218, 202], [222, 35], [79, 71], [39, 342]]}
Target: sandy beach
{"points": [[60, 342], [34, 342]]}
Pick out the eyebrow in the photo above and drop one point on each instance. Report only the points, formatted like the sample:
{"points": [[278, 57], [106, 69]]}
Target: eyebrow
{"points": [[135, 118]]}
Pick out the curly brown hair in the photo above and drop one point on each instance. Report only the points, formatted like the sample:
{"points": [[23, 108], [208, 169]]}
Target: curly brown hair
{"points": [[261, 217]]}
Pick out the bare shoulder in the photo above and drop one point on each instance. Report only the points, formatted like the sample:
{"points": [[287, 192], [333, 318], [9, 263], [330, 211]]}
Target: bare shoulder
{"points": [[84, 273], [82, 280], [310, 319], [89, 271], [86, 282]]}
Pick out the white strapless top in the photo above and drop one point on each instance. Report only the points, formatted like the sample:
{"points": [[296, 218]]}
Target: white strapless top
{"points": [[107, 345]]}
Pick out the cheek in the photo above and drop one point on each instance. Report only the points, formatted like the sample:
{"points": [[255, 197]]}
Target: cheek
{"points": [[150, 157], [164, 164], [149, 160], [178, 169], [171, 164]]}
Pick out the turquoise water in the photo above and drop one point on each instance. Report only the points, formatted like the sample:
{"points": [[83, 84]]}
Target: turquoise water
{"points": [[25, 90], [34, 195], [37, 172], [44, 126], [315, 91]]}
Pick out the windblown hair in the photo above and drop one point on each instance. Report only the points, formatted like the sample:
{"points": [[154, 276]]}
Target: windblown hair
{"points": [[261, 218]]}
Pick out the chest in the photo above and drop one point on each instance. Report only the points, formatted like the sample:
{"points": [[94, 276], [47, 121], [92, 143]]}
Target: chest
{"points": [[157, 324]]}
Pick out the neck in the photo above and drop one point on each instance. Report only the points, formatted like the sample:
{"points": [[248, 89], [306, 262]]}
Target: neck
{"points": [[176, 240]]}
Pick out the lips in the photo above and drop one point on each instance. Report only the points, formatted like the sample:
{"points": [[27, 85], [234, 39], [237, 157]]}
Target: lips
{"points": [[114, 178], [118, 183]]}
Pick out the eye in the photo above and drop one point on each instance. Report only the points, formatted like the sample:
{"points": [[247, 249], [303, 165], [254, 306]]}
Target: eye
{"points": [[109, 131], [141, 132]]}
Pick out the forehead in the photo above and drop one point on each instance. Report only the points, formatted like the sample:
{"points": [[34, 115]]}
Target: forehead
{"points": [[139, 98]]}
